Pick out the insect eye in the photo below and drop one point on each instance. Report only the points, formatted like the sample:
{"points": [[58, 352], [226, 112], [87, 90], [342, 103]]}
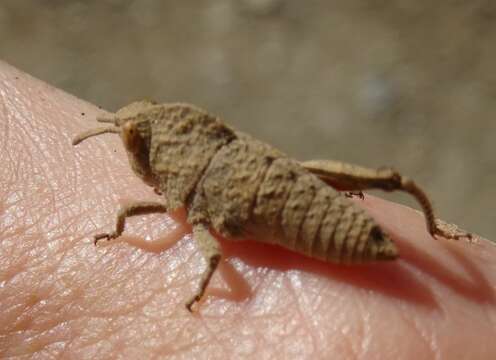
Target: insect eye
{"points": [[131, 137], [129, 128]]}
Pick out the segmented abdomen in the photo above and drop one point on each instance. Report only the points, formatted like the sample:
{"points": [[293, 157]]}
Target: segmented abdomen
{"points": [[311, 217], [249, 185]]}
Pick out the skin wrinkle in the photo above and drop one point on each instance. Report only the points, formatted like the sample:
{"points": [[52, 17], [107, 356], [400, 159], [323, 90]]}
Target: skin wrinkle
{"points": [[364, 332], [14, 317], [203, 336], [48, 324], [319, 336], [45, 337], [173, 340], [69, 223], [39, 338], [113, 327], [76, 175], [45, 159], [316, 303], [10, 175], [129, 310], [306, 323], [12, 260], [53, 269], [347, 345], [261, 289], [119, 284], [5, 129], [213, 335], [412, 324], [194, 345], [84, 339], [66, 345], [176, 284]]}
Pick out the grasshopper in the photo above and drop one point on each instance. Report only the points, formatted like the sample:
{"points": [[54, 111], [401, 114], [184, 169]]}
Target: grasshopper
{"points": [[241, 187]]}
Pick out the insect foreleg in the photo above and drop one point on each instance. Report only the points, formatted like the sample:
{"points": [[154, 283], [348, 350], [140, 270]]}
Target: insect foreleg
{"points": [[136, 208], [345, 176], [211, 251]]}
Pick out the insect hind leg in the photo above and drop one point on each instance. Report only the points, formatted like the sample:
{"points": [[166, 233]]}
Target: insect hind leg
{"points": [[345, 176]]}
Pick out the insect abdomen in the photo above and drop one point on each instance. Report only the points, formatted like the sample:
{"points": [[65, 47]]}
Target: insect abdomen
{"points": [[312, 218], [342, 230], [248, 186]]}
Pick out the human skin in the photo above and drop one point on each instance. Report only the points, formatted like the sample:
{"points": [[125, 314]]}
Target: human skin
{"points": [[61, 296]]}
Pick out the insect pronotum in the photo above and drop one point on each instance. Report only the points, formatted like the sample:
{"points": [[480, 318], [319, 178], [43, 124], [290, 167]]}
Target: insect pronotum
{"points": [[239, 186]]}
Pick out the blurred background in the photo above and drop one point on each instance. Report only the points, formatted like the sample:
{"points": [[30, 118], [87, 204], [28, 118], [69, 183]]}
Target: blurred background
{"points": [[406, 83]]}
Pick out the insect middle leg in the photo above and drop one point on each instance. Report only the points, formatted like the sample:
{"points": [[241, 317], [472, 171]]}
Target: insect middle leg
{"points": [[136, 208], [211, 251], [345, 176]]}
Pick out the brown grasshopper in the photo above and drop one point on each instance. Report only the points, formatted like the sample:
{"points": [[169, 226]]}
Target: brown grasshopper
{"points": [[241, 187]]}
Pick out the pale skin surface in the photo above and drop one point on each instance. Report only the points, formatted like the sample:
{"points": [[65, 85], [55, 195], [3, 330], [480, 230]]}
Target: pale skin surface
{"points": [[61, 296]]}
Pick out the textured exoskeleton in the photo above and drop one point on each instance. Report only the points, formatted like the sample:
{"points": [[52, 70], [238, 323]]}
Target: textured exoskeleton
{"points": [[241, 187]]}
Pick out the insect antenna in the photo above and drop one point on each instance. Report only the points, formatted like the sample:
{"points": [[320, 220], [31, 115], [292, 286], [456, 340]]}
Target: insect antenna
{"points": [[106, 120], [95, 132]]}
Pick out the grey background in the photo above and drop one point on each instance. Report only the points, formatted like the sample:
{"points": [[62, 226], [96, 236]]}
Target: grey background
{"points": [[409, 83]]}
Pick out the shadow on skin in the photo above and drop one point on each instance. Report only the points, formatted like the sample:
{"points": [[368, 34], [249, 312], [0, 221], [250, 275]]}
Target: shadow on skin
{"points": [[392, 279], [239, 289], [477, 289]]}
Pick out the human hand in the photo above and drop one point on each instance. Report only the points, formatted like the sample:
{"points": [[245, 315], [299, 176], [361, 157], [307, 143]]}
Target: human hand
{"points": [[61, 296]]}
